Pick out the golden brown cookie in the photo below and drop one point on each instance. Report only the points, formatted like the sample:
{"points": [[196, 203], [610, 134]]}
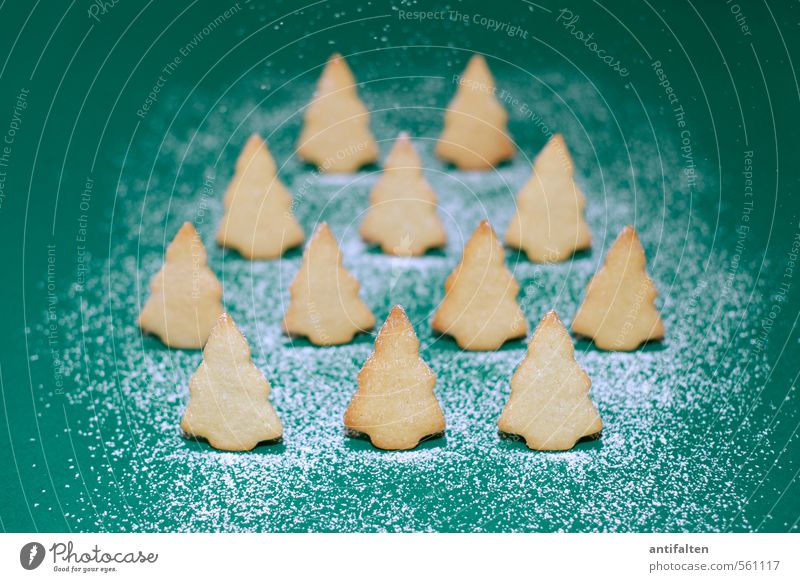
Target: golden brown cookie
{"points": [[402, 216], [475, 135], [549, 405], [395, 404], [185, 295], [258, 220], [324, 304], [228, 396], [549, 224], [480, 307], [336, 135], [618, 311]]}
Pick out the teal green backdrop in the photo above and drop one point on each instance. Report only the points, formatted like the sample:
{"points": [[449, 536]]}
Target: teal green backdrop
{"points": [[122, 120]]}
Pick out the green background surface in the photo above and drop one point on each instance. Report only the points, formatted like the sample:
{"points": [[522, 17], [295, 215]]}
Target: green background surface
{"points": [[701, 431]]}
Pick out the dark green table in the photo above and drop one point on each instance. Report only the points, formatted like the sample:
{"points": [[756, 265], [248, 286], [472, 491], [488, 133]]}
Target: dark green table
{"points": [[121, 122]]}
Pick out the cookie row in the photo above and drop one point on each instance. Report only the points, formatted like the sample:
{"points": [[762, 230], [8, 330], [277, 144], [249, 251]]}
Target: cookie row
{"points": [[394, 405], [479, 310], [336, 135]]}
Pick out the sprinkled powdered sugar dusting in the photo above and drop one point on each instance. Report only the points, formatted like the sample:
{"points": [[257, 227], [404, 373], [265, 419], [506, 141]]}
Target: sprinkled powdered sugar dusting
{"points": [[652, 401]]}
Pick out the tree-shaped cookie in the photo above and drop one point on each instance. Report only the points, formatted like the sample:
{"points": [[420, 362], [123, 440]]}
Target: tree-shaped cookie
{"points": [[258, 220], [185, 295], [549, 224], [618, 311], [324, 304], [475, 135], [402, 216], [336, 135], [395, 404], [480, 307], [228, 396], [549, 405]]}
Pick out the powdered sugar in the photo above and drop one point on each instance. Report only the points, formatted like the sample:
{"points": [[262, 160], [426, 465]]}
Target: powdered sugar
{"points": [[652, 402]]}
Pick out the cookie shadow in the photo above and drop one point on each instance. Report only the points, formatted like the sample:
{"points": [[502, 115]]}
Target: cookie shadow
{"points": [[511, 442], [298, 341], [447, 343], [201, 444], [519, 256], [584, 344], [375, 249], [359, 441]]}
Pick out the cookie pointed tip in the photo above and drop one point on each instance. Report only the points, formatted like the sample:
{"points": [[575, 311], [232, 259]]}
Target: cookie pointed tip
{"points": [[323, 232], [397, 321], [478, 70], [187, 233], [485, 228], [551, 316], [398, 312], [477, 59], [187, 227]]}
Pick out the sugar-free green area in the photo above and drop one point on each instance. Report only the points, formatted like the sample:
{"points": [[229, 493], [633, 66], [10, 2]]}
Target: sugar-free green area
{"points": [[700, 431]]}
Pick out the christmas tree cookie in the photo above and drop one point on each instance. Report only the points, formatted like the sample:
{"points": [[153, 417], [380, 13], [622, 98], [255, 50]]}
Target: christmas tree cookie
{"points": [[395, 404], [336, 135], [549, 405], [618, 311], [258, 220], [549, 224], [480, 307], [475, 135], [228, 396], [324, 304], [402, 216], [185, 295]]}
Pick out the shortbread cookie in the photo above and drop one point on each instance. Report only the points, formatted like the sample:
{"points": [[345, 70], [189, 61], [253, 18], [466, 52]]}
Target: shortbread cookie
{"points": [[480, 307], [185, 295], [336, 135], [549, 405], [228, 396], [258, 220], [402, 216], [549, 224], [395, 404], [475, 135], [618, 311], [324, 304]]}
